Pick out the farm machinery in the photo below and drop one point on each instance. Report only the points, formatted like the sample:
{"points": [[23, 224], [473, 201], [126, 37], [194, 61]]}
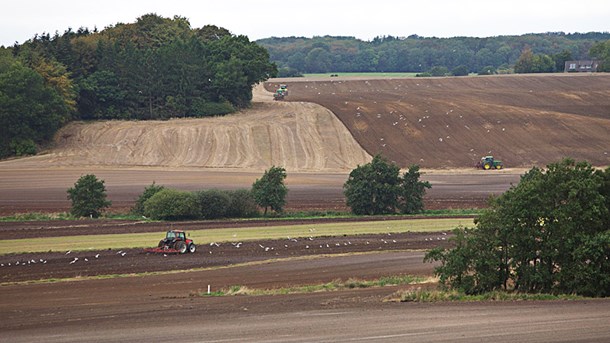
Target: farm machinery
{"points": [[489, 162], [280, 93], [175, 242]]}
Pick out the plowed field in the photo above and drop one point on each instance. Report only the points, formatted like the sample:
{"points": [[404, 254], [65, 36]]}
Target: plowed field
{"points": [[524, 120]]}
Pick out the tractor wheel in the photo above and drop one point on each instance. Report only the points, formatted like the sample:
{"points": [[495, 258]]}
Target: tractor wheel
{"points": [[486, 166], [192, 248], [161, 244], [180, 246], [499, 166]]}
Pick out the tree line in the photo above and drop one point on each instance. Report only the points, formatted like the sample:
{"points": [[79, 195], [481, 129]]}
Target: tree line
{"points": [[295, 55], [155, 68]]}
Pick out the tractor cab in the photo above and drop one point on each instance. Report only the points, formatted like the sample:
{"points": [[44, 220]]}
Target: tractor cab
{"points": [[173, 235], [489, 162]]}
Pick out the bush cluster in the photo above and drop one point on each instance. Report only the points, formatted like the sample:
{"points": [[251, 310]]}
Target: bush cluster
{"points": [[158, 202]]}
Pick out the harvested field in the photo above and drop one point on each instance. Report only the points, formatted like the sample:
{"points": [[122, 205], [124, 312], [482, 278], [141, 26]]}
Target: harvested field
{"points": [[297, 136], [524, 120]]}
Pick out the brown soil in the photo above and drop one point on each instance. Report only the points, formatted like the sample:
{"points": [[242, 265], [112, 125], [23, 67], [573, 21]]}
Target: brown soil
{"points": [[297, 136], [43, 189], [35, 266], [453, 122]]}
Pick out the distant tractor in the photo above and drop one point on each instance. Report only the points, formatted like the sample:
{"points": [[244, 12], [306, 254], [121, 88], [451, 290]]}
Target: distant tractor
{"points": [[175, 242], [280, 93], [488, 162]]}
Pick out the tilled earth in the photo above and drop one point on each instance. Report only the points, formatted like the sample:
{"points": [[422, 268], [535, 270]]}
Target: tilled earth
{"points": [[55, 265]]}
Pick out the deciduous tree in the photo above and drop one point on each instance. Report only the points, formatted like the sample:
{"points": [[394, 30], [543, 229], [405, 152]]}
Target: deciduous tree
{"points": [[88, 197]]}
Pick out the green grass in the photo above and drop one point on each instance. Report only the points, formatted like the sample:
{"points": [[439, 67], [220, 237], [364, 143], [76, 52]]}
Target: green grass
{"points": [[436, 296], [327, 75], [202, 237], [335, 285]]}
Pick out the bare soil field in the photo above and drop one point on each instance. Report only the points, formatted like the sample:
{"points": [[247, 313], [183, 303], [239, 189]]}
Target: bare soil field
{"points": [[147, 308], [297, 136], [524, 120], [43, 189]]}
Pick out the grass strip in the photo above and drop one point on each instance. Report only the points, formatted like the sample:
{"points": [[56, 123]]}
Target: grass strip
{"points": [[335, 285], [428, 296], [202, 237]]}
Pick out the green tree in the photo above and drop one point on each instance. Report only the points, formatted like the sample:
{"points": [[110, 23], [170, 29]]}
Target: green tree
{"points": [[171, 204], [549, 233], [30, 110], [373, 188], [412, 191], [147, 194], [561, 58], [88, 197], [525, 63], [269, 191], [601, 51]]}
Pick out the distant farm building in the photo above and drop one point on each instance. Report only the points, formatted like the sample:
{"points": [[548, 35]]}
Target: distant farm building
{"points": [[581, 66]]}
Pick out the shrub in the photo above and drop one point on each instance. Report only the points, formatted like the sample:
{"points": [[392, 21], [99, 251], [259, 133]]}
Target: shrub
{"points": [[88, 197], [202, 108], [242, 204], [149, 191], [171, 204], [212, 203], [461, 70], [23, 147]]}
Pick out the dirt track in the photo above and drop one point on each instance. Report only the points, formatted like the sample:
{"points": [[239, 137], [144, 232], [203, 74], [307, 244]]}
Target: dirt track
{"points": [[524, 120]]}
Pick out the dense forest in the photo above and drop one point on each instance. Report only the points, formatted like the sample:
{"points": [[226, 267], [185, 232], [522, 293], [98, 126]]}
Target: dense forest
{"points": [[155, 68], [295, 55]]}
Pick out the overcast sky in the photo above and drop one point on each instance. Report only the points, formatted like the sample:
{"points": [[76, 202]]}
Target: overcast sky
{"points": [[21, 19]]}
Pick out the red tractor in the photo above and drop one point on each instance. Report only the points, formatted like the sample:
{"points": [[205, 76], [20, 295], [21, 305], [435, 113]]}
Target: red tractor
{"points": [[176, 242]]}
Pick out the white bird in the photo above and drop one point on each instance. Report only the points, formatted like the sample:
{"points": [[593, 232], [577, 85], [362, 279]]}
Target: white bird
{"points": [[394, 241], [2, 265], [97, 256], [262, 247], [238, 245], [17, 263], [123, 254], [69, 251], [86, 260], [41, 260], [285, 246], [120, 252], [44, 262], [327, 246], [267, 249], [74, 261], [306, 247]]}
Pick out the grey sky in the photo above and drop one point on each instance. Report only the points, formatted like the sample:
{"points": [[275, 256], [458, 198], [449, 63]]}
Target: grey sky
{"points": [[20, 20]]}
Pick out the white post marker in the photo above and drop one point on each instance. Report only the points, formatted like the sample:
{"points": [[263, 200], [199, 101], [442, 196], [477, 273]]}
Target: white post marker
{"points": [[209, 290]]}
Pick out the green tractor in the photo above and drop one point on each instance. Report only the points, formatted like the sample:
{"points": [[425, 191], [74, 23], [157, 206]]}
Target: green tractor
{"points": [[280, 93], [488, 162]]}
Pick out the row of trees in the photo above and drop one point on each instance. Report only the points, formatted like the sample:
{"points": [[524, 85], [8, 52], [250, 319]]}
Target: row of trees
{"points": [[548, 234], [89, 199], [155, 68], [421, 54], [373, 188]]}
